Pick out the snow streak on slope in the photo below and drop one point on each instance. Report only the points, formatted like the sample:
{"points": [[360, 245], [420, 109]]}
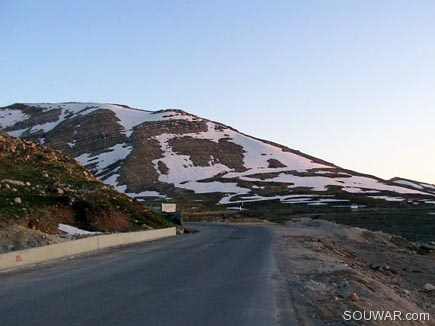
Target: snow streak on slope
{"points": [[409, 183], [182, 172], [67, 109], [415, 184], [257, 154], [10, 117], [102, 161], [128, 117], [353, 184]]}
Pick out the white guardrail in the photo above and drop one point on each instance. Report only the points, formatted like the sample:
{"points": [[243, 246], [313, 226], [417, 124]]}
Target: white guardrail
{"points": [[75, 247]]}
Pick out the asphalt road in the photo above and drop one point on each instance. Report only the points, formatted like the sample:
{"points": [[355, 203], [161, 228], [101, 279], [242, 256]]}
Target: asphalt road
{"points": [[223, 275]]}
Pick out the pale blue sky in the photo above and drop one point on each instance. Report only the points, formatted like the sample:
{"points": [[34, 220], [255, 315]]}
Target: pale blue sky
{"points": [[350, 81]]}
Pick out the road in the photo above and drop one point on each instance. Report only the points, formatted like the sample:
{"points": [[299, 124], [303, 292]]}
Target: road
{"points": [[222, 275]]}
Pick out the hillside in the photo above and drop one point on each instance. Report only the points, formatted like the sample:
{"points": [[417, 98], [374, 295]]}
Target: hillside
{"points": [[174, 154], [41, 187]]}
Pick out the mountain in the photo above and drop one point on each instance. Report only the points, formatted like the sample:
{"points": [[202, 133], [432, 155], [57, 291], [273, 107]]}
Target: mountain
{"points": [[42, 187], [423, 186], [157, 155]]}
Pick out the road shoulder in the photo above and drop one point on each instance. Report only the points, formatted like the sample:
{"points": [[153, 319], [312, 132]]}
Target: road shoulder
{"points": [[329, 269]]}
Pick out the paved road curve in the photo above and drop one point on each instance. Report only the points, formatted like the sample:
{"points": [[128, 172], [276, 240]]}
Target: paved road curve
{"points": [[222, 275]]}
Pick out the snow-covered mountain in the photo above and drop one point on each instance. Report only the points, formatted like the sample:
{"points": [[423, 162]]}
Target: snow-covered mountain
{"points": [[172, 153], [423, 186]]}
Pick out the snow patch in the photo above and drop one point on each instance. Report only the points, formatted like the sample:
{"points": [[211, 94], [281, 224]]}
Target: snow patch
{"points": [[72, 144], [113, 154], [10, 117], [73, 230], [215, 186], [179, 174], [145, 194], [409, 183], [427, 185], [388, 198], [257, 154], [352, 184]]}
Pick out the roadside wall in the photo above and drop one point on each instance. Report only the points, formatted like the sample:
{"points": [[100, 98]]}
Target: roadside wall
{"points": [[74, 247]]}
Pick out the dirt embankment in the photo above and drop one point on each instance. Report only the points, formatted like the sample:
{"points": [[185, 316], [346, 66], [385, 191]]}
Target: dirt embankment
{"points": [[17, 237], [337, 274]]}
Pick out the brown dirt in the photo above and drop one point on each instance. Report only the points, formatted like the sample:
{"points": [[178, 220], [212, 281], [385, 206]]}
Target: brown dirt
{"points": [[331, 268], [16, 237]]}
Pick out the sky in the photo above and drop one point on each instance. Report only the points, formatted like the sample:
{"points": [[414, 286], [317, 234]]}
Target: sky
{"points": [[351, 82]]}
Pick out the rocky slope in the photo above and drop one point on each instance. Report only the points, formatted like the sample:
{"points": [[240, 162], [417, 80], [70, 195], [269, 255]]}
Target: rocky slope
{"points": [[171, 153], [41, 187], [334, 272]]}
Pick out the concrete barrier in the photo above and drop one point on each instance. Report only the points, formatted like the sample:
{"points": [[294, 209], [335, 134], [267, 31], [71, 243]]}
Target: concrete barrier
{"points": [[75, 247]]}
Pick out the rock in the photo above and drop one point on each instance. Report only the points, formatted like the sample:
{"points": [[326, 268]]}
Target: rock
{"points": [[10, 247], [427, 246], [14, 182], [375, 267], [60, 191], [354, 297], [429, 287], [388, 270], [18, 200]]}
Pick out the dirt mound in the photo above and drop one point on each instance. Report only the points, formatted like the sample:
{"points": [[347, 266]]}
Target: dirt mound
{"points": [[16, 237], [331, 269], [41, 187]]}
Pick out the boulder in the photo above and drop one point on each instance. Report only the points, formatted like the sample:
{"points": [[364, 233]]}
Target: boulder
{"points": [[429, 287]]}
